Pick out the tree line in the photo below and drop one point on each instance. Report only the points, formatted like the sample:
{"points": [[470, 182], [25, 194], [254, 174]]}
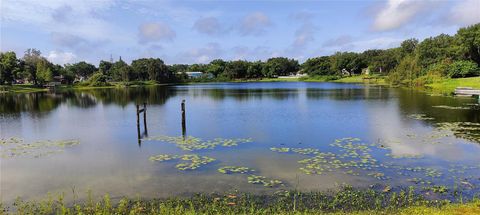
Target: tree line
{"points": [[412, 63]]}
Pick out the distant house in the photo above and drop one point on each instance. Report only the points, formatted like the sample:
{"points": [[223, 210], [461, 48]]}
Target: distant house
{"points": [[345, 72]]}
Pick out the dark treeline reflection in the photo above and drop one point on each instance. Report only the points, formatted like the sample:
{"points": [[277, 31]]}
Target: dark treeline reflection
{"points": [[240, 94], [414, 102], [366, 93], [31, 102], [44, 102]]}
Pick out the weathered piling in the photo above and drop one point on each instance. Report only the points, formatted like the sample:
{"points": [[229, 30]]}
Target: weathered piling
{"points": [[184, 126], [145, 117], [139, 111]]}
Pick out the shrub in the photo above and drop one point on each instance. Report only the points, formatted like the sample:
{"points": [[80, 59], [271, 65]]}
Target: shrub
{"points": [[462, 69]]}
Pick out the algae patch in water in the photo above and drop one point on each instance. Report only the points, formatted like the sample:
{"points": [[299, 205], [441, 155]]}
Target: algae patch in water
{"points": [[15, 147], [193, 143]]}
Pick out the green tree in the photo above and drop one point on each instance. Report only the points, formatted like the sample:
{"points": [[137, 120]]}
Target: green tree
{"points": [[31, 58], [255, 69], [121, 71], [82, 69], [318, 66], [435, 49], [349, 61], [469, 41], [216, 67], [9, 66], [151, 69], [44, 72], [278, 66], [462, 69], [406, 72], [236, 69], [105, 67], [407, 47]]}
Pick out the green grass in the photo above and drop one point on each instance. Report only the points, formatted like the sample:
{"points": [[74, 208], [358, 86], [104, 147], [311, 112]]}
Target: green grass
{"points": [[448, 85], [344, 201], [21, 88]]}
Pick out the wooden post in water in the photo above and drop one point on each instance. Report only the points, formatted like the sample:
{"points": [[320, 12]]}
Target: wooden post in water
{"points": [[184, 126], [138, 126], [145, 118], [139, 111]]}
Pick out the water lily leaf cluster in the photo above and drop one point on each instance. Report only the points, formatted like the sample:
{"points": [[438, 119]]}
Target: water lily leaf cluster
{"points": [[193, 143], [408, 156], [258, 179], [235, 169], [420, 116], [451, 107], [195, 161], [15, 147], [466, 130]]}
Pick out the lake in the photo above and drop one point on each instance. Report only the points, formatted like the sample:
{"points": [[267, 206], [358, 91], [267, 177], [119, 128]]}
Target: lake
{"points": [[286, 135]]}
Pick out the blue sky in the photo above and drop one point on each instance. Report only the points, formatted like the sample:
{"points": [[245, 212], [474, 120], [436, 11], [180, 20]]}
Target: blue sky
{"points": [[202, 30]]}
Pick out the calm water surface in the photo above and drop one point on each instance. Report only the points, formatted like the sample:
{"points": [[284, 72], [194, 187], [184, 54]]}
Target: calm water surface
{"points": [[402, 129]]}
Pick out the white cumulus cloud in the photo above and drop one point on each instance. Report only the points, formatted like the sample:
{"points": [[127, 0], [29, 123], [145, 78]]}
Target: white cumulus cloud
{"points": [[397, 13], [60, 57]]}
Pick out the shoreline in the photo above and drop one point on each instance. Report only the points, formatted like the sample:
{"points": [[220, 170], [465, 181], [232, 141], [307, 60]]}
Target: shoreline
{"points": [[346, 200], [444, 86]]}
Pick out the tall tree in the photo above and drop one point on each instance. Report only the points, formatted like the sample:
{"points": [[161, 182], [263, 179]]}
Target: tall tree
{"points": [[435, 49], [9, 66], [280, 66], [31, 58], [469, 39], [318, 66], [82, 69], [151, 69]]}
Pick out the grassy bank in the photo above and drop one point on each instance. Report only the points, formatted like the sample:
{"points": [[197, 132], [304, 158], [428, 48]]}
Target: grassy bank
{"points": [[347, 200], [23, 88], [447, 86]]}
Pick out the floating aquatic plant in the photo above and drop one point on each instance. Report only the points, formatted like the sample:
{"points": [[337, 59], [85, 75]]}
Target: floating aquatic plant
{"points": [[257, 179], [466, 130], [420, 117], [451, 107], [303, 151], [193, 143], [14, 147], [280, 149], [163, 157], [196, 161], [409, 156], [235, 169], [437, 189]]}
